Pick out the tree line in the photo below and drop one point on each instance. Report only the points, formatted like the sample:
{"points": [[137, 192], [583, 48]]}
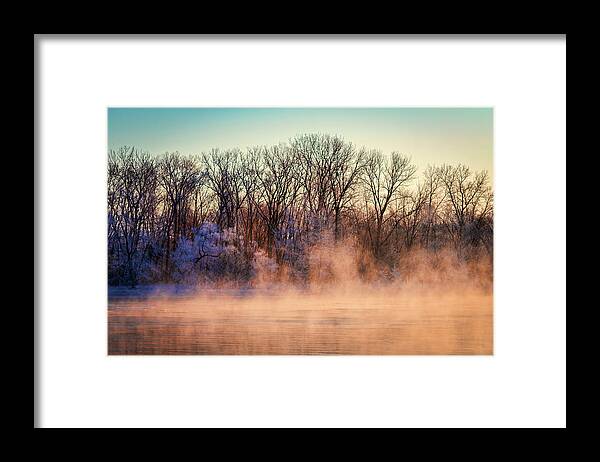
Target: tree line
{"points": [[171, 216]]}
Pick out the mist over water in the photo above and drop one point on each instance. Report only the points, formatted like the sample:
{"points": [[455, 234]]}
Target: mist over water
{"points": [[430, 304]]}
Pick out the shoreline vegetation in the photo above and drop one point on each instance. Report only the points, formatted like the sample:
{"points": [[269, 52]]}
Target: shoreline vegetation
{"points": [[314, 213]]}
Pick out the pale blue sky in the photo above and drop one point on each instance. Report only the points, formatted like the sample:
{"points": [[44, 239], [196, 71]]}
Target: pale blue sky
{"points": [[427, 135]]}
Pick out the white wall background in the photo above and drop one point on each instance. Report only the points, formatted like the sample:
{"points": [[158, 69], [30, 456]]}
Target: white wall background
{"points": [[523, 384]]}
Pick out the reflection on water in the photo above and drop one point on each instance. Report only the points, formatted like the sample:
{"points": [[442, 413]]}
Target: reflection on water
{"points": [[366, 323]]}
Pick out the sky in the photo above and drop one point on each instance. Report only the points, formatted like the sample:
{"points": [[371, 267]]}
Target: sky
{"points": [[429, 136]]}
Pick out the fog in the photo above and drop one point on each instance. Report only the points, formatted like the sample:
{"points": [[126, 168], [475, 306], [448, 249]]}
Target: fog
{"points": [[435, 304]]}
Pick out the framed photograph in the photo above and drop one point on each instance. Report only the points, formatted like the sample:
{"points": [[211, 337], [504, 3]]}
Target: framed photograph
{"points": [[226, 238]]}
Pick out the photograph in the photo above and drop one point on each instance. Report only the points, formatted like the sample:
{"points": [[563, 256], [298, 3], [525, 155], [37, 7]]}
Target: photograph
{"points": [[300, 230]]}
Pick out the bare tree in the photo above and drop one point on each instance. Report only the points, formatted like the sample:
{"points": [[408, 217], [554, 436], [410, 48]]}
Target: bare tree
{"points": [[250, 166], [347, 167], [314, 154], [276, 174], [469, 201], [409, 215], [223, 173], [179, 179], [434, 198], [384, 179], [132, 202]]}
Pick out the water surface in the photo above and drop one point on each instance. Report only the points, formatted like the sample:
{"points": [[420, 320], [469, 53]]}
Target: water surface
{"points": [[368, 322]]}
